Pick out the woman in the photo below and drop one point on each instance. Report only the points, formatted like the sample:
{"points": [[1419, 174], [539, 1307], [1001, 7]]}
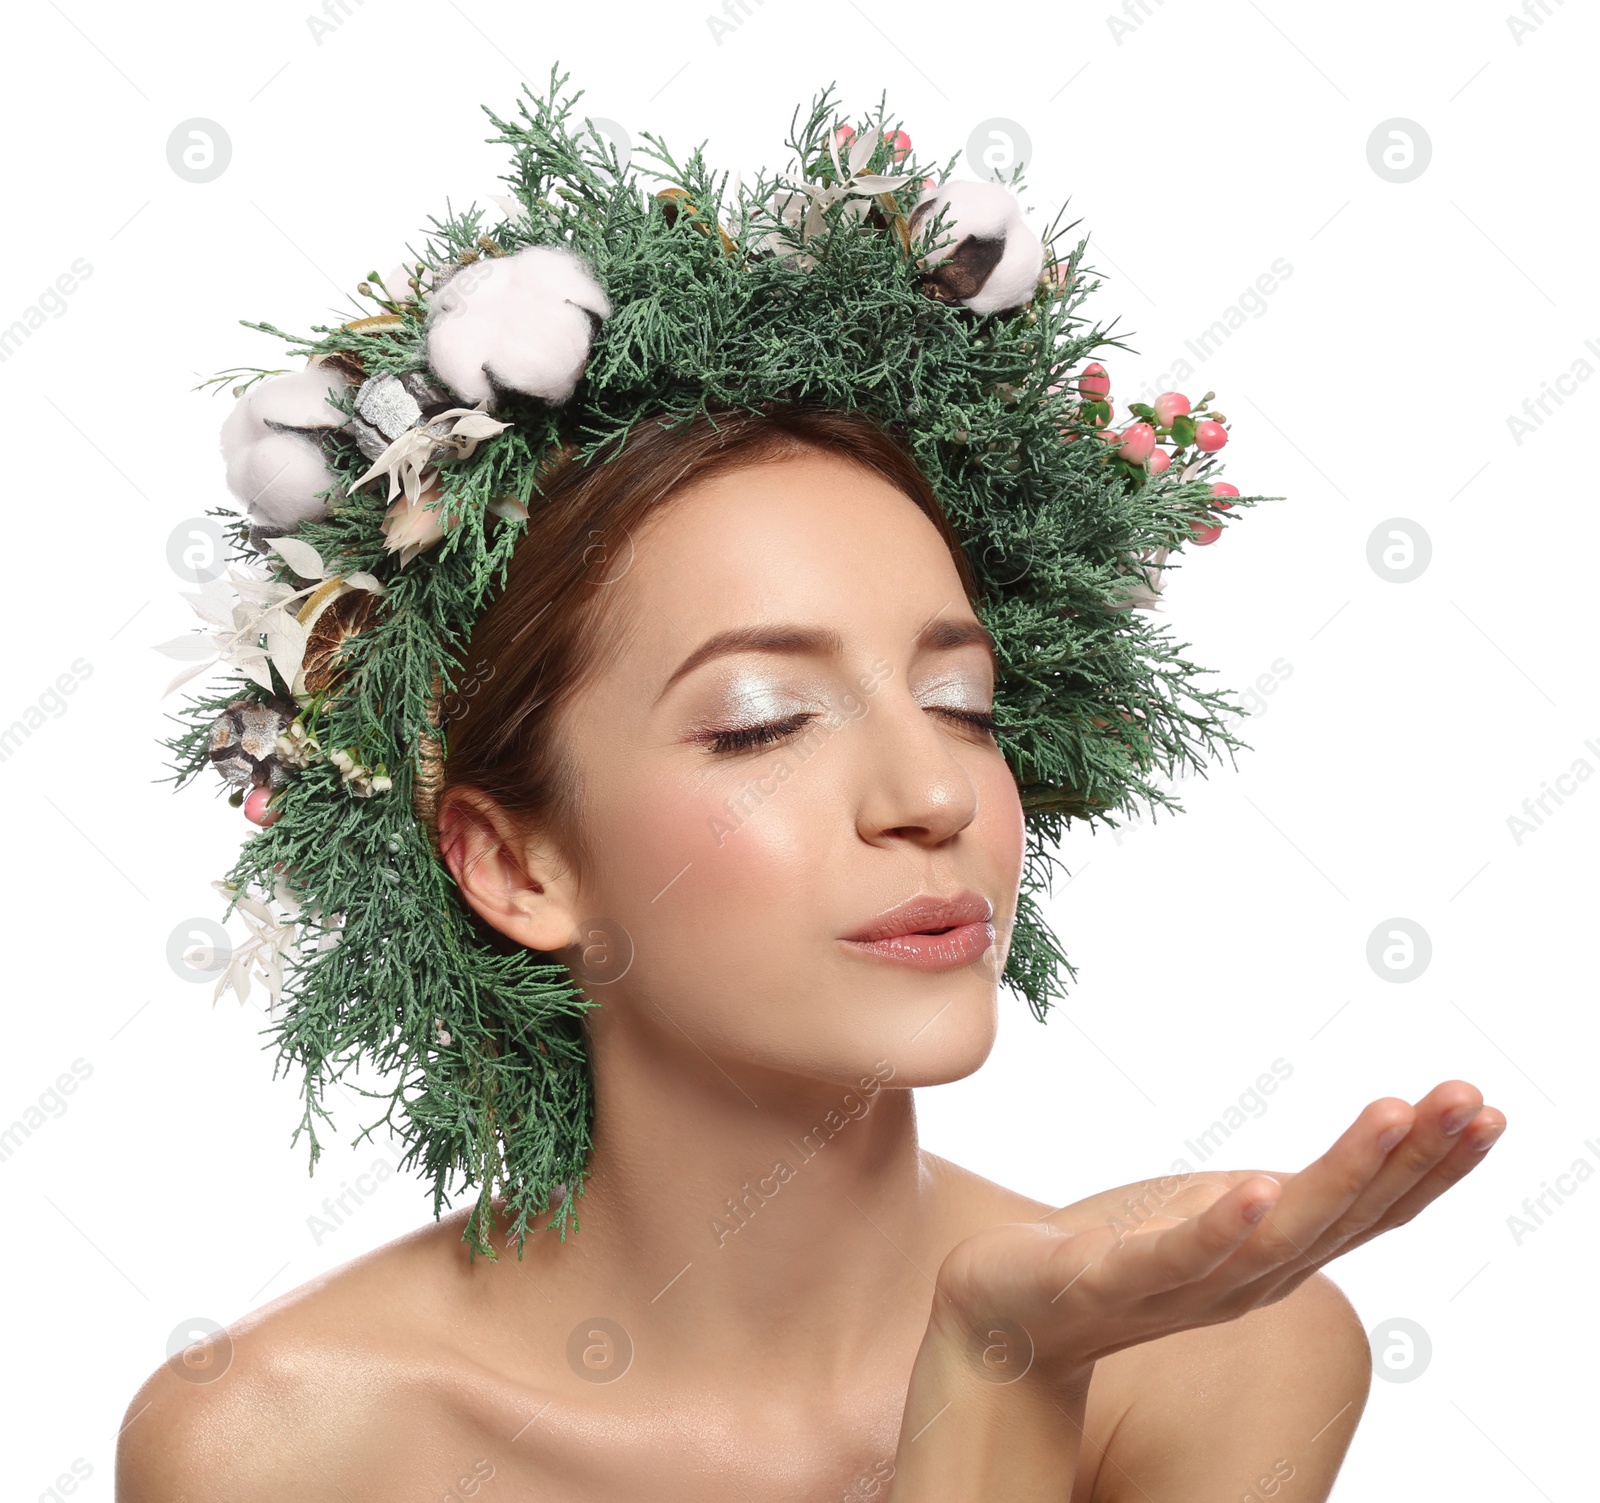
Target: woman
{"points": [[742, 778]]}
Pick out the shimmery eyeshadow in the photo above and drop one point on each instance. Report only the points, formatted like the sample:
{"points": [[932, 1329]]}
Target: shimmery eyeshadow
{"points": [[749, 699], [956, 691]]}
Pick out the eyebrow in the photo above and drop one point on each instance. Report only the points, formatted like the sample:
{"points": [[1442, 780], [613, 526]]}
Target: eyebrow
{"points": [[939, 635]]}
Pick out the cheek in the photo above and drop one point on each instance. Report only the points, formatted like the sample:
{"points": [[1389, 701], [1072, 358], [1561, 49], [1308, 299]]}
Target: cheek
{"points": [[720, 887], [743, 860], [1000, 828], [717, 849]]}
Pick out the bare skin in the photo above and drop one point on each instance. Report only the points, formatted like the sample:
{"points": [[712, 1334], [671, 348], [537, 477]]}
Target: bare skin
{"points": [[831, 1336]]}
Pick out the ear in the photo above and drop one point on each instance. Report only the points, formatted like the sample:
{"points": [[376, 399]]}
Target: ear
{"points": [[511, 880]]}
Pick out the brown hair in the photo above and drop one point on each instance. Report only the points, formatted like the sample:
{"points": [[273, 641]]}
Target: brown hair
{"points": [[541, 638]]}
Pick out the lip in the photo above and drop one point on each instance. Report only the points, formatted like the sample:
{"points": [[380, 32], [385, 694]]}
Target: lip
{"points": [[924, 911], [902, 934]]}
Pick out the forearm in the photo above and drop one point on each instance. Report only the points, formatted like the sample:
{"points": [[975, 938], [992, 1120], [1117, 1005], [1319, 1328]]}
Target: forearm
{"points": [[969, 1435]]}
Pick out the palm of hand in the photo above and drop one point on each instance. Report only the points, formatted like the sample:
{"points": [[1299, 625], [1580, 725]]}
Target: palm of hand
{"points": [[1131, 1264]]}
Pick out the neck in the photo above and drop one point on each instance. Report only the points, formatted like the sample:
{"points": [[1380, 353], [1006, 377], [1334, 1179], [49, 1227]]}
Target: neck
{"points": [[754, 1205]]}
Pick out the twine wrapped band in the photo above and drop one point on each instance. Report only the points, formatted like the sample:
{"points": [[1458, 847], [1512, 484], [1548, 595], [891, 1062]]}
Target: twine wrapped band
{"points": [[428, 774]]}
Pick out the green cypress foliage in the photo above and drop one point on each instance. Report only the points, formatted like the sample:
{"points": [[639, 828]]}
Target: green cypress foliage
{"points": [[1098, 704]]}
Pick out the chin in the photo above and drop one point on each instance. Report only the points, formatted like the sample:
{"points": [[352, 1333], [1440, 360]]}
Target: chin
{"points": [[950, 1048], [929, 1034]]}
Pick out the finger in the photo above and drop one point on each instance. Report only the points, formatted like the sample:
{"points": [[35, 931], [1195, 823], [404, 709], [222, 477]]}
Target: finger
{"points": [[1314, 1198], [1437, 1121], [1413, 1172], [1468, 1153], [1441, 1116], [1154, 1262], [1463, 1157], [1445, 1157]]}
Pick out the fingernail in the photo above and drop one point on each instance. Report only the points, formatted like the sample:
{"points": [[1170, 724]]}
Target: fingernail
{"points": [[1458, 1119], [1487, 1141], [1391, 1137]]}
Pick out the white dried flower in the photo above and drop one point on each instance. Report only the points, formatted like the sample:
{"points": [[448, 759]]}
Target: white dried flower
{"points": [[801, 206]]}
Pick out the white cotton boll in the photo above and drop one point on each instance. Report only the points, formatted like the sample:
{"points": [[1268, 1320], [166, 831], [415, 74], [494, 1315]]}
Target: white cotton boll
{"points": [[278, 478], [299, 399], [275, 464], [984, 218], [523, 320]]}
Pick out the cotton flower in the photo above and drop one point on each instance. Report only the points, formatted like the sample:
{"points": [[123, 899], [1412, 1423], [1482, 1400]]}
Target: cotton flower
{"points": [[271, 445], [988, 257], [523, 323]]}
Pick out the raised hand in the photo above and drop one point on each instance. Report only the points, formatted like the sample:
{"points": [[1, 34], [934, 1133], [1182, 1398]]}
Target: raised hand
{"points": [[1059, 1293]]}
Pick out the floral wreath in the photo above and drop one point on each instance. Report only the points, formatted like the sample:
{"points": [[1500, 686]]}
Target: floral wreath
{"points": [[388, 478]]}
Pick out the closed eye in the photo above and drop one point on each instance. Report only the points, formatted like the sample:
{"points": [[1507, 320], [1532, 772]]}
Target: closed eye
{"points": [[749, 736]]}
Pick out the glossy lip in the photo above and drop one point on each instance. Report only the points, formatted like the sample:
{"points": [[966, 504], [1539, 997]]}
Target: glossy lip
{"points": [[926, 911], [899, 935]]}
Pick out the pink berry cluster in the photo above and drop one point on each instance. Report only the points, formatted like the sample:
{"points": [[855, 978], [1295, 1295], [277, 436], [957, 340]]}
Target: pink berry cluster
{"points": [[899, 147], [1171, 420], [899, 141]]}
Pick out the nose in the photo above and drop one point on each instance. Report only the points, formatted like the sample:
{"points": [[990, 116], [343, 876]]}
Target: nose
{"points": [[914, 785]]}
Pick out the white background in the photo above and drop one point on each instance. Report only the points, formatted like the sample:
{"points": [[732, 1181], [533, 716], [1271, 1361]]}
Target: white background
{"points": [[1407, 722]]}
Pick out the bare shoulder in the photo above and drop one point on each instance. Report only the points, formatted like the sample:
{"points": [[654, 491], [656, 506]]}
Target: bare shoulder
{"points": [[205, 1423], [1275, 1394], [296, 1398], [967, 1197]]}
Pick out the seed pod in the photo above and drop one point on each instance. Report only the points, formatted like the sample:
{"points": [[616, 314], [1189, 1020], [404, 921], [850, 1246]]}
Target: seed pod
{"points": [[244, 744]]}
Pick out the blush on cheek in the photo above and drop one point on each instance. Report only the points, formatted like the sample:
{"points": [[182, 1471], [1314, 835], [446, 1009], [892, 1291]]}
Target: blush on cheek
{"points": [[711, 891], [748, 829], [723, 831], [747, 842]]}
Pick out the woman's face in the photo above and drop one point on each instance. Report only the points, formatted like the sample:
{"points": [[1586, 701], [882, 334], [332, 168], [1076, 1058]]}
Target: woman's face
{"points": [[750, 809]]}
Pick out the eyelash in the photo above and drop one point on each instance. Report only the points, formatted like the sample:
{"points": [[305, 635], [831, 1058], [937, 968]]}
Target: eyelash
{"points": [[747, 737]]}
